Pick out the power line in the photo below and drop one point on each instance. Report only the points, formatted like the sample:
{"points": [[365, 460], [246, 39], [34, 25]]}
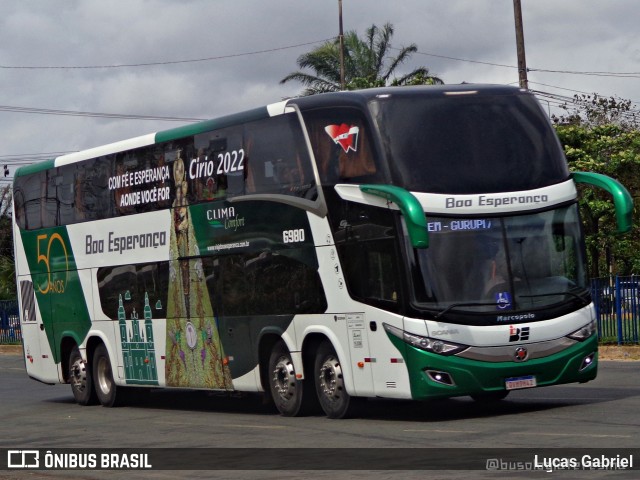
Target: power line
{"points": [[25, 157], [581, 91], [595, 74], [562, 88], [74, 113], [168, 62], [275, 49], [543, 70], [550, 98], [446, 57], [563, 101]]}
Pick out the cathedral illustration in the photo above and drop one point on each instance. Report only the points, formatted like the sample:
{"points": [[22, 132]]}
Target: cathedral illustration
{"points": [[138, 350]]}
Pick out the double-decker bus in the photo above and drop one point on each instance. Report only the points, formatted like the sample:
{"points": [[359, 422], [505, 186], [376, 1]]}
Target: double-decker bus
{"points": [[406, 243]]}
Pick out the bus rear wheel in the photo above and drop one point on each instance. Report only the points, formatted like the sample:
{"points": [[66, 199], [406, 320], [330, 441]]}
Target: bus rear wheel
{"points": [[106, 389], [286, 390], [81, 379], [333, 396]]}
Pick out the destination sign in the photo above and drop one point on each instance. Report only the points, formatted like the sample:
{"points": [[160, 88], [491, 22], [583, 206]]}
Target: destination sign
{"points": [[459, 224]]}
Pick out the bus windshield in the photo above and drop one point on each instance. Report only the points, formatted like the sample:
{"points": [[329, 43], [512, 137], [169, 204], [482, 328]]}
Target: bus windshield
{"points": [[465, 144], [510, 264]]}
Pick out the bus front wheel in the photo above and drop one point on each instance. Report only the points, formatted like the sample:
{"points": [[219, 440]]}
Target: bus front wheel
{"points": [[106, 389], [81, 379], [333, 396]]}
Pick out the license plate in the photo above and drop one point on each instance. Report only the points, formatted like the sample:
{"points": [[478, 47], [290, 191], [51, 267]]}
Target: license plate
{"points": [[520, 382]]}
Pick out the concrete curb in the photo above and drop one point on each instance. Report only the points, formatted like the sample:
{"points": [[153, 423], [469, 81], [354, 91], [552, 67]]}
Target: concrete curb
{"points": [[10, 349], [606, 352]]}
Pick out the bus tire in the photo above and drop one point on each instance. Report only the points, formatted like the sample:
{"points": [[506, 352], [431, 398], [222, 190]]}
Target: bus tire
{"points": [[332, 394], [81, 379], [106, 389], [287, 391]]}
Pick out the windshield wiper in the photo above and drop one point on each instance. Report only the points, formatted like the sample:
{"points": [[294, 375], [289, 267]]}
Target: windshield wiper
{"points": [[489, 304], [463, 304], [549, 294]]}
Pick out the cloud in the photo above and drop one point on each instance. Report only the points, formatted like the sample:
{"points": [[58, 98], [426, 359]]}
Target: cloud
{"points": [[572, 35]]}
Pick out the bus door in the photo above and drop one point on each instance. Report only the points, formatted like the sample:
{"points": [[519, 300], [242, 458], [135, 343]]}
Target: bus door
{"points": [[377, 366], [362, 364], [370, 268], [387, 365]]}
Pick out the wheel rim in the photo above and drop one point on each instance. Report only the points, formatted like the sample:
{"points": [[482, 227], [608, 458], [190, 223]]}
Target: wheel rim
{"points": [[284, 378], [330, 376], [78, 373], [103, 372]]}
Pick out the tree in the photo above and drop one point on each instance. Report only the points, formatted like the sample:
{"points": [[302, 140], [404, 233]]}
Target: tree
{"points": [[7, 267], [367, 64], [600, 135], [594, 110]]}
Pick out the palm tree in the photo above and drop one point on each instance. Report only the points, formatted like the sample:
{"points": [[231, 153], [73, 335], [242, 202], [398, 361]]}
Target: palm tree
{"points": [[367, 64]]}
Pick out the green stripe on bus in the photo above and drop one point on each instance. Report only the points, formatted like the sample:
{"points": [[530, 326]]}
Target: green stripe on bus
{"points": [[622, 199], [207, 126], [57, 286], [410, 207], [34, 168]]}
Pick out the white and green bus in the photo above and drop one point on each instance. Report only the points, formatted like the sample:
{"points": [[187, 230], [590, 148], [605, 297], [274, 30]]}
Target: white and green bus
{"points": [[406, 243]]}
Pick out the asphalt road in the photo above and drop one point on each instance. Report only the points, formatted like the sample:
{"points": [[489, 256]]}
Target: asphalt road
{"points": [[604, 413]]}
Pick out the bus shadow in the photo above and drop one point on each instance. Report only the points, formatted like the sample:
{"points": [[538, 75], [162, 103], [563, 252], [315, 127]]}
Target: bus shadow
{"points": [[459, 408], [198, 400], [186, 400]]}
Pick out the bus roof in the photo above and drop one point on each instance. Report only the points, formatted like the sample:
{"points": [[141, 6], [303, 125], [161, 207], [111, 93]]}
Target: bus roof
{"points": [[358, 97], [150, 139], [435, 91]]}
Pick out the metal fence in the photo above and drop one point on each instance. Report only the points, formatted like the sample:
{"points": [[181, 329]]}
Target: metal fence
{"points": [[617, 303], [9, 322], [616, 300]]}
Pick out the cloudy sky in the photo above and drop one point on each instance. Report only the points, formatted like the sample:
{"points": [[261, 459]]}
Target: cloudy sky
{"points": [[215, 57]]}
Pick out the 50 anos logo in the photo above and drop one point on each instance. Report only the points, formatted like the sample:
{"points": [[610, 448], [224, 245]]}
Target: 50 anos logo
{"points": [[52, 252]]}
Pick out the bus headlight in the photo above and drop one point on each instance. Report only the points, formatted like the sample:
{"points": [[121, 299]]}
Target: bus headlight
{"points": [[425, 343], [584, 332]]}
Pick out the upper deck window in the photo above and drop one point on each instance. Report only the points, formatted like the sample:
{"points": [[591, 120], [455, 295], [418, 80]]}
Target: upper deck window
{"points": [[266, 156], [341, 142], [466, 144]]}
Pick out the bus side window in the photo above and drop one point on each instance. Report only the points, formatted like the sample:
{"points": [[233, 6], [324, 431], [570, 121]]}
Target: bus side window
{"points": [[366, 240], [341, 145], [279, 162], [18, 207], [360, 163]]}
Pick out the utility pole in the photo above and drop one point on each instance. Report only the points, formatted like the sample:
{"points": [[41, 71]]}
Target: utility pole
{"points": [[522, 62], [341, 37]]}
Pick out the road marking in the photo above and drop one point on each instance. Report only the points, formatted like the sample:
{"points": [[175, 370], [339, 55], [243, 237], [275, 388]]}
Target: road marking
{"points": [[442, 431], [279, 427], [593, 435]]}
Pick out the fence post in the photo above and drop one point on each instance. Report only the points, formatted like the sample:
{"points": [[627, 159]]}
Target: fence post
{"points": [[595, 295], [618, 298]]}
